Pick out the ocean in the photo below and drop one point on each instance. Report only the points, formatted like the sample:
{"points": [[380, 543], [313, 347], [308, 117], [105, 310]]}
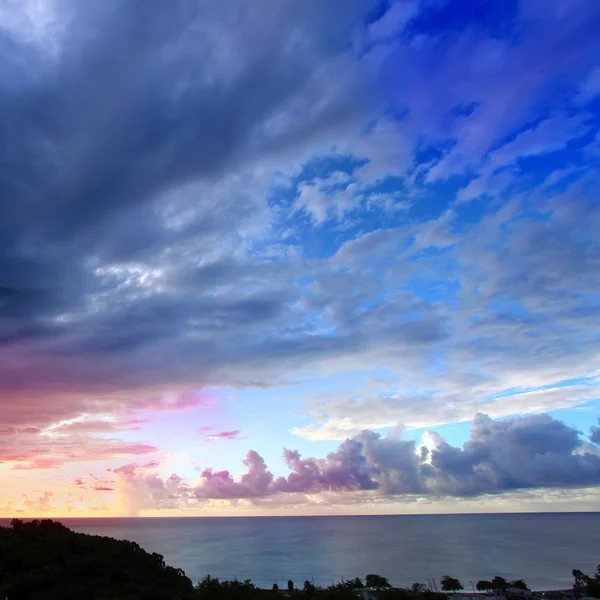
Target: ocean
{"points": [[543, 549]]}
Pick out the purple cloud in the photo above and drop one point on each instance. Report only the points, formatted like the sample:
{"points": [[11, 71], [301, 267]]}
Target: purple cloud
{"points": [[520, 453]]}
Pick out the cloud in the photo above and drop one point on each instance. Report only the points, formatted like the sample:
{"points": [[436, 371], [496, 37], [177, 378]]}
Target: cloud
{"points": [[534, 452], [225, 435], [176, 250], [98, 426], [140, 487], [550, 135], [42, 503], [87, 284], [495, 84], [48, 450], [510, 293], [518, 453], [256, 482], [590, 87], [394, 20], [336, 418], [595, 435], [232, 197]]}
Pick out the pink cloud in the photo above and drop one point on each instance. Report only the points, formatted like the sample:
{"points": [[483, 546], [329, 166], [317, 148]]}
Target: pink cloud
{"points": [[40, 409], [33, 463], [175, 402], [101, 426], [42, 503], [37, 451], [132, 467], [225, 435], [256, 482], [141, 487], [153, 464]]}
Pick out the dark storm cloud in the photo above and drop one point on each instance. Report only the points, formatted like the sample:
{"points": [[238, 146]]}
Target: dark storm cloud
{"points": [[134, 105], [107, 114], [136, 102]]}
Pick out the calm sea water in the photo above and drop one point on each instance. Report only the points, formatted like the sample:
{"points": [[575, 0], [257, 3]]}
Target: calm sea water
{"points": [[541, 548]]}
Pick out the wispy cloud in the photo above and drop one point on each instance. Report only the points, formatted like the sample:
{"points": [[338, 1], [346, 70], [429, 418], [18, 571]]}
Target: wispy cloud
{"points": [[225, 435]]}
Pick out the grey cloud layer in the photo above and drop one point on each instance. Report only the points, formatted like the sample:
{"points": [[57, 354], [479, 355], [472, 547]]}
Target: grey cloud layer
{"points": [[140, 249], [525, 301], [127, 169]]}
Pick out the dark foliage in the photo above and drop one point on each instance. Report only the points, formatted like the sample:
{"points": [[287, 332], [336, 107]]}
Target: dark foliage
{"points": [[377, 582], [499, 583], [45, 559], [584, 584], [518, 584], [419, 591], [344, 590], [354, 584], [450, 584], [210, 588]]}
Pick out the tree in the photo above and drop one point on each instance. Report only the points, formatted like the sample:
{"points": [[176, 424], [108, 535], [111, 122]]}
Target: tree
{"points": [[208, 582], [499, 583], [309, 587], [377, 582], [396, 594], [43, 558], [418, 588], [483, 585], [450, 584], [518, 584], [290, 585], [581, 580], [584, 584], [354, 584], [337, 591]]}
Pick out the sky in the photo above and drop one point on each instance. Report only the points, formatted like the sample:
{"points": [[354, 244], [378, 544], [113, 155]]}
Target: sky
{"points": [[318, 257]]}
